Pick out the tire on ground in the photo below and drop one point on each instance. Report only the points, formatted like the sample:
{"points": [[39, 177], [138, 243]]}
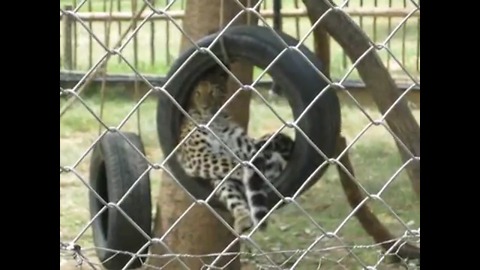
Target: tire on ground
{"points": [[300, 83], [114, 167]]}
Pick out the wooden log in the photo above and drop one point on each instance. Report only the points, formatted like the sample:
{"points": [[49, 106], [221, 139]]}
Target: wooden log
{"points": [[378, 80]]}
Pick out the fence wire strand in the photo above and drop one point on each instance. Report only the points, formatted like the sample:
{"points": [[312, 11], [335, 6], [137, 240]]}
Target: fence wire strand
{"points": [[328, 246]]}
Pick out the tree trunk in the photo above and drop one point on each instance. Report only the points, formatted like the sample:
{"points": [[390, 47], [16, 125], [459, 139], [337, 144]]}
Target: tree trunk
{"points": [[199, 231]]}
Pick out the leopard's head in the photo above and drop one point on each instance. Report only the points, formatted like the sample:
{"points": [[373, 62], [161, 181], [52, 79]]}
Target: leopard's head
{"points": [[207, 96], [210, 92]]}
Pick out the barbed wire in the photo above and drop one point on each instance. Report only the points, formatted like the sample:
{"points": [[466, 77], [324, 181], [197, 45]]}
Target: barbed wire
{"points": [[255, 253], [80, 255]]}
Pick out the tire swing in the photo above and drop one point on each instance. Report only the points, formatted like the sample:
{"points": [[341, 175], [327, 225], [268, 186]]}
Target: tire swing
{"points": [[259, 46], [114, 167]]}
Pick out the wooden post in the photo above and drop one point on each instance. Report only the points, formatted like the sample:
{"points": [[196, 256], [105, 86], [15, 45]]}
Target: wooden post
{"points": [[167, 38], [199, 231], [322, 47], [277, 14], [67, 40], [321, 42], [277, 25]]}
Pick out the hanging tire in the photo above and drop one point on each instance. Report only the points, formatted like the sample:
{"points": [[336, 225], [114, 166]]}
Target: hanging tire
{"points": [[300, 84], [114, 167]]}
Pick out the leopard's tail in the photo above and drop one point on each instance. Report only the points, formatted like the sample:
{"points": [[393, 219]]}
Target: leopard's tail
{"points": [[256, 193]]}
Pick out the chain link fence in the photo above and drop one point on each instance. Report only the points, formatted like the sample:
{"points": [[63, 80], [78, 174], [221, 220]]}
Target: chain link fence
{"points": [[315, 229]]}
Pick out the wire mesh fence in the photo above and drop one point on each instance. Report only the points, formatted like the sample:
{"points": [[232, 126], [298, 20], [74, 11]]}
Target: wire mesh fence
{"points": [[316, 229]]}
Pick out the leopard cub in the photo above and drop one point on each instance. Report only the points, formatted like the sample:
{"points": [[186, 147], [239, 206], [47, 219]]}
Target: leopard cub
{"points": [[212, 151]]}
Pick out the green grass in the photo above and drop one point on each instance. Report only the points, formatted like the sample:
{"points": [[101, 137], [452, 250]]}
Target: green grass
{"points": [[374, 157], [155, 52]]}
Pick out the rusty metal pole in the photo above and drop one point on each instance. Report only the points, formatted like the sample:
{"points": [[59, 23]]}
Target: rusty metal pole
{"points": [[200, 232]]}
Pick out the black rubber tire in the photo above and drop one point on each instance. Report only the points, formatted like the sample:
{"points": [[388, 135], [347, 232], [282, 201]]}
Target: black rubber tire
{"points": [[114, 167], [299, 81]]}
